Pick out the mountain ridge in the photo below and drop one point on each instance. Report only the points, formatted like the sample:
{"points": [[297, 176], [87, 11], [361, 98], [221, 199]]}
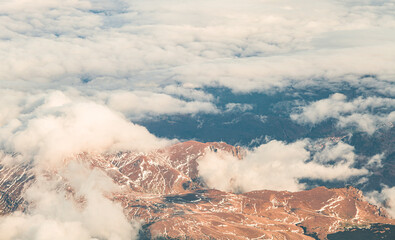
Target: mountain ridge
{"points": [[163, 189]]}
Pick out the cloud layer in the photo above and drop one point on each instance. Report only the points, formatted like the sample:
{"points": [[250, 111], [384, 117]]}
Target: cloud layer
{"points": [[263, 44], [75, 72]]}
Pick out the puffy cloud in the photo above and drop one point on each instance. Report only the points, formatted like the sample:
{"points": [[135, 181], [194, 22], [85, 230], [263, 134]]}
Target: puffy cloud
{"points": [[10, 105], [55, 213], [141, 104], [44, 128], [60, 126], [367, 114], [384, 198], [279, 166]]}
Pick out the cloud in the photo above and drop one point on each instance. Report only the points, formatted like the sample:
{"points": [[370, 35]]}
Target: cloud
{"points": [[366, 114], [188, 93], [74, 73], [325, 68], [10, 105], [45, 128], [142, 104], [60, 126], [384, 198], [55, 213], [376, 161], [241, 107], [254, 46], [279, 166]]}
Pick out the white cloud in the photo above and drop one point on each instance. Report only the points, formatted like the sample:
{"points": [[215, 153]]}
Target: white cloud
{"points": [[153, 57], [44, 128], [10, 105], [61, 126], [249, 46], [375, 161], [278, 166], [367, 114], [242, 107], [56, 214], [139, 104], [384, 198]]}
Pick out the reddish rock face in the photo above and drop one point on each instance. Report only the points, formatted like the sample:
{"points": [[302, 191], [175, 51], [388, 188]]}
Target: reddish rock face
{"points": [[163, 189]]}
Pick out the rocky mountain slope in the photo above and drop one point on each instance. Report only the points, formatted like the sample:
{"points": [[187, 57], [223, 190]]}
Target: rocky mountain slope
{"points": [[163, 188]]}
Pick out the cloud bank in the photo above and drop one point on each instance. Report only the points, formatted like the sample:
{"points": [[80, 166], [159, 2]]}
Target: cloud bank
{"points": [[249, 46], [58, 126], [279, 166], [144, 104], [366, 114]]}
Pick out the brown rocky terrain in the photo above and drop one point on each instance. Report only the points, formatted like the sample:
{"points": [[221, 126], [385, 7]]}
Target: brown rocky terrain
{"points": [[163, 189]]}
